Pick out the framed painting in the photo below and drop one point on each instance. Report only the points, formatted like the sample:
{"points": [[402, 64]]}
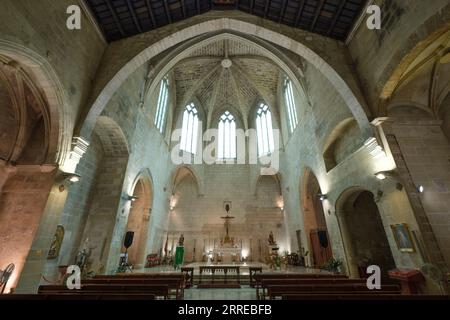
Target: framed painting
{"points": [[56, 243], [403, 237]]}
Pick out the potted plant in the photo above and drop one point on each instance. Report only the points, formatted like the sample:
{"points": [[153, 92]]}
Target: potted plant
{"points": [[333, 265]]}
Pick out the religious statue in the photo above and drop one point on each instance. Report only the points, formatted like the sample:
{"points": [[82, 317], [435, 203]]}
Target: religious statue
{"points": [[271, 239], [181, 241], [83, 255]]}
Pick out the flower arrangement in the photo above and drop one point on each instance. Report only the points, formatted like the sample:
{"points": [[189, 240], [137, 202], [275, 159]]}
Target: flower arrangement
{"points": [[333, 265]]}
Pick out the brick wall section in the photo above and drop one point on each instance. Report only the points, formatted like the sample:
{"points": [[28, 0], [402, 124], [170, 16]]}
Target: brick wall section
{"points": [[22, 202]]}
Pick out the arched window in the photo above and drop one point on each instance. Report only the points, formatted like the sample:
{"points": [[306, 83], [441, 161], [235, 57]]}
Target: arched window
{"points": [[290, 104], [264, 130], [226, 145], [161, 108], [189, 129]]}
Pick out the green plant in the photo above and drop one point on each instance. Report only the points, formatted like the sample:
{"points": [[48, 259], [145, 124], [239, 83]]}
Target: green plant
{"points": [[333, 265]]}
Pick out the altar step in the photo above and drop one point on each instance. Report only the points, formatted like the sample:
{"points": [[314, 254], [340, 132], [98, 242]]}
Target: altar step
{"points": [[220, 279], [218, 286]]}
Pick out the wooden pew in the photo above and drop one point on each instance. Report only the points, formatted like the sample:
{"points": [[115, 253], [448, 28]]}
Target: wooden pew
{"points": [[274, 291], [176, 286], [76, 296], [151, 289], [290, 276], [356, 297], [318, 281]]}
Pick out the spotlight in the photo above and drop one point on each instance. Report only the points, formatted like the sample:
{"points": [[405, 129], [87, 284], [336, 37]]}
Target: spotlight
{"points": [[421, 189], [322, 197], [380, 175]]}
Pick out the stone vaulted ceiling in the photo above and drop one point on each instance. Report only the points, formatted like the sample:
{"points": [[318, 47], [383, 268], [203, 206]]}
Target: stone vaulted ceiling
{"points": [[226, 74]]}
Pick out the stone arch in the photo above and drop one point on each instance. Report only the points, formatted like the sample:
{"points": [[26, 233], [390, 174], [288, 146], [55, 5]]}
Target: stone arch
{"points": [[139, 217], [112, 137], [341, 142], [314, 221], [416, 44], [180, 172], [363, 234], [408, 109], [276, 178], [44, 83], [112, 84]]}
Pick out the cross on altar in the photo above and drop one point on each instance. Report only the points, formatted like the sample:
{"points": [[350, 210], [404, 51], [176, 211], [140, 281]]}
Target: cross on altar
{"points": [[227, 224]]}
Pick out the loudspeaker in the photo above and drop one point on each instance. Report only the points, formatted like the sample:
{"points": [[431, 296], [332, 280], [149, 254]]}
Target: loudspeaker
{"points": [[128, 239], [323, 238]]}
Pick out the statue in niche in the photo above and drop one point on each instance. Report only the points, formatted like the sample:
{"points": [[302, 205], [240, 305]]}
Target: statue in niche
{"points": [[181, 241]]}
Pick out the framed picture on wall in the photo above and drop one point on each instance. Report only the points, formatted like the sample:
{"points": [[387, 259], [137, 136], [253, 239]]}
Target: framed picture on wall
{"points": [[403, 237]]}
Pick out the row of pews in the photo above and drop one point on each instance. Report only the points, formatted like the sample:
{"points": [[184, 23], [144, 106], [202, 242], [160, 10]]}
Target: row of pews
{"points": [[161, 286], [325, 287]]}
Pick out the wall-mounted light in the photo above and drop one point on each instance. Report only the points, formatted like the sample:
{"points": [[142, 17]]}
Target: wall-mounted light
{"points": [[322, 197], [380, 175], [383, 175], [71, 177], [132, 198], [421, 189], [172, 202]]}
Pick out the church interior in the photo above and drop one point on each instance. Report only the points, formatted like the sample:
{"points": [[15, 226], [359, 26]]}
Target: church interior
{"points": [[273, 149]]}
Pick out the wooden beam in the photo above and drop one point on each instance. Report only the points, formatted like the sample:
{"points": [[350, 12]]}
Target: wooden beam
{"points": [[166, 9], [266, 10], [183, 8], [116, 18], [299, 12], [336, 16], [150, 11], [133, 15], [317, 15], [283, 10]]}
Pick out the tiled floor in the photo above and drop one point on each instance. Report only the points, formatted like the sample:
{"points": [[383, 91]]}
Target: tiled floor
{"points": [[245, 293]]}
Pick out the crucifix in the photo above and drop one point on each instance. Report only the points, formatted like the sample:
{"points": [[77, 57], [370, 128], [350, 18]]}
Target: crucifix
{"points": [[227, 222]]}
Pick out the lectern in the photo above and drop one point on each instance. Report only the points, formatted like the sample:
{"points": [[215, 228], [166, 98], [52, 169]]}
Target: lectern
{"points": [[409, 279]]}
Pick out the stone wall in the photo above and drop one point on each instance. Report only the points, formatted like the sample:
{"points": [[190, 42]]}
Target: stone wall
{"points": [[378, 53], [256, 212]]}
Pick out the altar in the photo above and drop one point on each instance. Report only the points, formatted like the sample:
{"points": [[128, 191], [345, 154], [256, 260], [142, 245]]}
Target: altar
{"points": [[227, 255], [228, 252]]}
